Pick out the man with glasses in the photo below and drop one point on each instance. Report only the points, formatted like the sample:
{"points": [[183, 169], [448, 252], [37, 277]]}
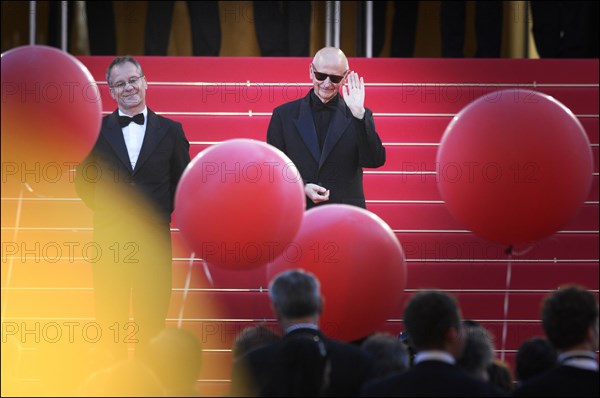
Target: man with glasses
{"points": [[329, 138], [129, 181]]}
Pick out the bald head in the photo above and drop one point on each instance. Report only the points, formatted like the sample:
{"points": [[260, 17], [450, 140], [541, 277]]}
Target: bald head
{"points": [[328, 61], [330, 57]]}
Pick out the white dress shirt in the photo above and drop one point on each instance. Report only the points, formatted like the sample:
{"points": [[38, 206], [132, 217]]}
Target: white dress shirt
{"points": [[134, 137]]}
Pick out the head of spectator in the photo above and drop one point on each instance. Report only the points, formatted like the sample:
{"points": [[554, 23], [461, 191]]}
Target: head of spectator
{"points": [[252, 337], [296, 298], [390, 355], [570, 322], [535, 355], [501, 376], [305, 361], [478, 353], [570, 319], [433, 320]]}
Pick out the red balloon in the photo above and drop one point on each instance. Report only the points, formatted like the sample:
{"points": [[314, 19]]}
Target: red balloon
{"points": [[514, 166], [239, 203], [51, 116], [359, 262]]}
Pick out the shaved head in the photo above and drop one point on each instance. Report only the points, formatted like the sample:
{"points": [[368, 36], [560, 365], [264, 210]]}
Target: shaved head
{"points": [[330, 56]]}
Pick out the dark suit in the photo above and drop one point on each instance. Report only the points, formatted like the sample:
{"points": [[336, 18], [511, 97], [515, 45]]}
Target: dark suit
{"points": [[429, 379], [350, 367], [562, 381], [132, 214], [350, 145]]}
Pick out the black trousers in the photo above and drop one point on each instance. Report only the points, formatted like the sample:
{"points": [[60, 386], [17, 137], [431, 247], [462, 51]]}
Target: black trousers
{"points": [[204, 21], [404, 28], [132, 273], [283, 28], [488, 28], [100, 23], [565, 29]]}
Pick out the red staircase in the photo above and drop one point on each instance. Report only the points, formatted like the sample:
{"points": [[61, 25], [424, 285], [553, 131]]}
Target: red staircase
{"points": [[413, 101]]}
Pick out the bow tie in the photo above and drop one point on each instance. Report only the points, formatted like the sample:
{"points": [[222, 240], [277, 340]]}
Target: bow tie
{"points": [[125, 120]]}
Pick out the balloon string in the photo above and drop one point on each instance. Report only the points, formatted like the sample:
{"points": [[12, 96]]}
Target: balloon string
{"points": [[509, 252], [207, 273], [12, 258], [188, 280], [186, 288]]}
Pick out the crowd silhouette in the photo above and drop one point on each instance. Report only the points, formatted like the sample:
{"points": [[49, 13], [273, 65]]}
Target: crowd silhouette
{"points": [[453, 357]]}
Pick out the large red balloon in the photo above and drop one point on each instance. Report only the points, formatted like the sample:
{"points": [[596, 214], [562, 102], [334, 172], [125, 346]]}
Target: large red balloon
{"points": [[51, 115], [359, 262], [514, 166], [239, 203]]}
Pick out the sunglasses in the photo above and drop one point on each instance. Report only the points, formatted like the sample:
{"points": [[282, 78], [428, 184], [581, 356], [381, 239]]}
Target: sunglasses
{"points": [[322, 76]]}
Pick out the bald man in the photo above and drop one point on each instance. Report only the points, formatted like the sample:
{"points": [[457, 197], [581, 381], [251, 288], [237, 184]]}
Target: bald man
{"points": [[328, 136]]}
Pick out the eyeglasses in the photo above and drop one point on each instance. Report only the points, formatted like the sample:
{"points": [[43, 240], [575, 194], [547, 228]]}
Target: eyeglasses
{"points": [[133, 81], [322, 76]]}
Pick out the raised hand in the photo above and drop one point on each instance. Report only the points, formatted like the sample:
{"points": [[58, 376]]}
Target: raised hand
{"points": [[354, 94]]}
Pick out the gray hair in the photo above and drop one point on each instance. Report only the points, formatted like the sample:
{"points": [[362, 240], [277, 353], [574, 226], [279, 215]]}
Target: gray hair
{"points": [[120, 61], [389, 353], [295, 294], [478, 353]]}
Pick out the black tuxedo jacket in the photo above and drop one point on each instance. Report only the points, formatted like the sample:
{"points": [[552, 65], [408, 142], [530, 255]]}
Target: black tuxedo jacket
{"points": [[562, 381], [350, 367], [116, 192], [430, 379], [351, 144]]}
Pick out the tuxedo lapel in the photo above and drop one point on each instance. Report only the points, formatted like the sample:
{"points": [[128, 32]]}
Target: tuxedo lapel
{"points": [[154, 134], [114, 135], [337, 126], [306, 127]]}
